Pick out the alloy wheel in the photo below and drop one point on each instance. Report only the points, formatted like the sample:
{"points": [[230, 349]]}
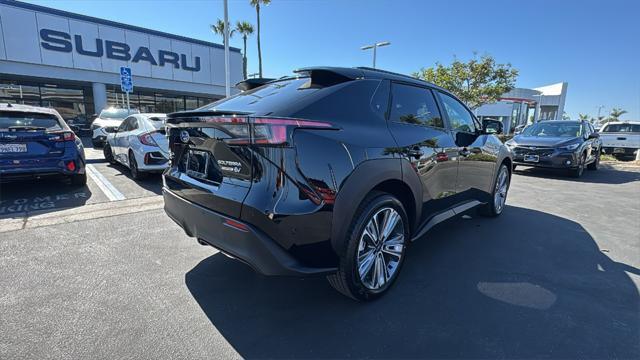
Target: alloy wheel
{"points": [[381, 248], [500, 193]]}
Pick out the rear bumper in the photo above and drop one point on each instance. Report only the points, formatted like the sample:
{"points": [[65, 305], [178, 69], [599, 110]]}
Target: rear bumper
{"points": [[37, 168], [612, 150], [251, 246]]}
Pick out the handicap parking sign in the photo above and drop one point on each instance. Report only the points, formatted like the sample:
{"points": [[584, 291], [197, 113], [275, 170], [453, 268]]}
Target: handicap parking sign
{"points": [[126, 81]]}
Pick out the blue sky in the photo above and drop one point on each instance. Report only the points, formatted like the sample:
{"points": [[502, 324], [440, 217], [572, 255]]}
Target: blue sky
{"points": [[593, 45]]}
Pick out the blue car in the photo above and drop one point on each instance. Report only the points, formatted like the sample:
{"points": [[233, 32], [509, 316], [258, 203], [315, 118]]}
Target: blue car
{"points": [[36, 142]]}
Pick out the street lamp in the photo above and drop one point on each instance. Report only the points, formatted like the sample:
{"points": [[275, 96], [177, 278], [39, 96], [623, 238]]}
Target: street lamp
{"points": [[375, 47]]}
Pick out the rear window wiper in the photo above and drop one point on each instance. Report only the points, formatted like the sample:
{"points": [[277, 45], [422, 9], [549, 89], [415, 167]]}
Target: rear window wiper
{"points": [[27, 128]]}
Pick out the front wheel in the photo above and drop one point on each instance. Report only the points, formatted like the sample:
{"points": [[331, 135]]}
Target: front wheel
{"points": [[595, 163], [108, 154], [499, 196], [375, 248], [577, 172]]}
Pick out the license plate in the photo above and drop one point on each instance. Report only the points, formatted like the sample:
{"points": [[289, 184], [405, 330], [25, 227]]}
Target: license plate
{"points": [[531, 158], [13, 148], [618, 150], [197, 164]]}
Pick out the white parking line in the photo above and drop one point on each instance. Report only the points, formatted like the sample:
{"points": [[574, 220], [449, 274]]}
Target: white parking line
{"points": [[107, 188]]}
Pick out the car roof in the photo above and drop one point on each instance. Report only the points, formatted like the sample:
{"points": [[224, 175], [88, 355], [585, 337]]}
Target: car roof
{"points": [[150, 115], [634, 122], [563, 121], [369, 73], [28, 108]]}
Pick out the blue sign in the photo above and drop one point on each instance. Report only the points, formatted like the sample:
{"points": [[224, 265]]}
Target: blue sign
{"points": [[126, 82]]}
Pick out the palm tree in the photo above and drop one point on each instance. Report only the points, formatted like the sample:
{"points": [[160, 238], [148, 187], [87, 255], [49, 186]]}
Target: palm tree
{"points": [[245, 29], [615, 114], [583, 116], [256, 4], [218, 28]]}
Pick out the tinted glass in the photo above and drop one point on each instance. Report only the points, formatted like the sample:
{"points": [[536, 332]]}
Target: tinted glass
{"points": [[125, 125], [414, 105], [9, 119], [553, 129], [157, 122], [265, 98], [460, 118], [133, 124], [622, 128], [117, 114]]}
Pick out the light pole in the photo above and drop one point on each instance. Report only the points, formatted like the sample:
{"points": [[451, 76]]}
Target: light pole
{"points": [[227, 81], [599, 108], [538, 108], [375, 47]]}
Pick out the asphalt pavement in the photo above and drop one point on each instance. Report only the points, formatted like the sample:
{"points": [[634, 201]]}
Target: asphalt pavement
{"points": [[556, 276]]}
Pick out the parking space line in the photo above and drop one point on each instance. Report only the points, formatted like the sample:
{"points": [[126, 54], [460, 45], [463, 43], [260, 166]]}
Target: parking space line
{"points": [[107, 187]]}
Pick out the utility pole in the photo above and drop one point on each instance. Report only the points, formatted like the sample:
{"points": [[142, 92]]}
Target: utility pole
{"points": [[227, 80], [375, 47]]}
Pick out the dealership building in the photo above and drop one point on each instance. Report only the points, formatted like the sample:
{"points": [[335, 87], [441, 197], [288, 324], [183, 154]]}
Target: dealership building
{"points": [[522, 106], [72, 63]]}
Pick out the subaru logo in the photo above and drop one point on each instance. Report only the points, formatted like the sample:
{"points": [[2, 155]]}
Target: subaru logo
{"points": [[184, 136]]}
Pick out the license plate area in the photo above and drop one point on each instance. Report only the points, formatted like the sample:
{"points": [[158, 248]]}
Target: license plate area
{"points": [[618, 150], [532, 158], [197, 164], [13, 148]]}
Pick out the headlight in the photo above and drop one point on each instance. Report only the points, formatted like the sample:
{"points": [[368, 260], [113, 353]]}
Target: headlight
{"points": [[571, 147]]}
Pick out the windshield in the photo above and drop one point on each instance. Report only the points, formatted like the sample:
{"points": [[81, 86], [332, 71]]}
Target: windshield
{"points": [[24, 119], [117, 114], [551, 129], [615, 128], [157, 122]]}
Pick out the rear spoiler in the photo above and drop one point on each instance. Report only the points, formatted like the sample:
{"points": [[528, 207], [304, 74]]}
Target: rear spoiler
{"points": [[328, 76], [249, 84]]}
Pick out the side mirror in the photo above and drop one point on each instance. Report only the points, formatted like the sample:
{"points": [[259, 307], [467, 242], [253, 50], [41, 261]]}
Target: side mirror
{"points": [[594, 135], [492, 126]]}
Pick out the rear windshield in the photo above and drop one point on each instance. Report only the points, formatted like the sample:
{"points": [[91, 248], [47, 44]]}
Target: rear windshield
{"points": [[117, 114], [264, 98], [157, 122], [553, 129], [626, 128], [16, 120]]}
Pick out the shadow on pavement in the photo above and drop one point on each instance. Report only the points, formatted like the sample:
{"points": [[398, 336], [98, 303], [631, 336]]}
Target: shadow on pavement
{"points": [[527, 284], [151, 182], [601, 176], [38, 196]]}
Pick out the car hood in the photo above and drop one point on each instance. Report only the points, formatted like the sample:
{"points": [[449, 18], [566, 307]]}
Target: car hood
{"points": [[107, 122], [542, 141]]}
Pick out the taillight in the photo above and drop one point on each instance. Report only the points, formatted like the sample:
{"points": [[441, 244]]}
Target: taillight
{"points": [[147, 139], [274, 131], [64, 136]]}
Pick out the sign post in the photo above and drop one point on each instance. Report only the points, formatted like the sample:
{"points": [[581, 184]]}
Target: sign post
{"points": [[126, 83]]}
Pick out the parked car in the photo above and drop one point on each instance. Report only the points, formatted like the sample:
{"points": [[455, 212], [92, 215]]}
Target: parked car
{"points": [[621, 139], [331, 172], [557, 144], [107, 122], [36, 142], [140, 144]]}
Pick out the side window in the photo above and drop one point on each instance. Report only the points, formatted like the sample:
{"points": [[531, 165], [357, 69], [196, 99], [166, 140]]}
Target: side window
{"points": [[124, 126], [414, 105], [460, 118], [133, 124]]}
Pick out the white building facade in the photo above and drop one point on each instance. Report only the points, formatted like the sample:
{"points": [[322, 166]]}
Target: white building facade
{"points": [[71, 62], [524, 106]]}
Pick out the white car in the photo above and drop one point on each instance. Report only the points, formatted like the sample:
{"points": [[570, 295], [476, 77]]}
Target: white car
{"points": [[621, 139], [140, 144], [108, 120]]}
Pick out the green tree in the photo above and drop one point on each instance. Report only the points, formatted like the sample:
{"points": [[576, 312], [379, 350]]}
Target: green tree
{"points": [[615, 114], [256, 4], [582, 116], [245, 29], [218, 28], [476, 82]]}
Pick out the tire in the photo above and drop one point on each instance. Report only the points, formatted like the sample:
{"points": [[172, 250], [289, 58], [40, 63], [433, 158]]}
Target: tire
{"points": [[576, 173], [513, 169], [133, 167], [386, 255], [108, 154], [96, 143], [499, 195], [595, 163], [78, 180]]}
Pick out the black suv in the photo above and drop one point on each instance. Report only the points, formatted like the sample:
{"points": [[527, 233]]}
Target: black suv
{"points": [[558, 144], [331, 172]]}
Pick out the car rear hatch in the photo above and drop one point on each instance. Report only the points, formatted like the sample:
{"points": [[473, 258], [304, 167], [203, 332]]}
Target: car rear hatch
{"points": [[25, 135]]}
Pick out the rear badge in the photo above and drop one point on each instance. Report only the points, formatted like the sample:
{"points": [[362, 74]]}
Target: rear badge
{"points": [[233, 166], [184, 136]]}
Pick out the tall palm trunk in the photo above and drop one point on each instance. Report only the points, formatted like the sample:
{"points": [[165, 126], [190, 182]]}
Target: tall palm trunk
{"points": [[244, 58], [259, 50]]}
